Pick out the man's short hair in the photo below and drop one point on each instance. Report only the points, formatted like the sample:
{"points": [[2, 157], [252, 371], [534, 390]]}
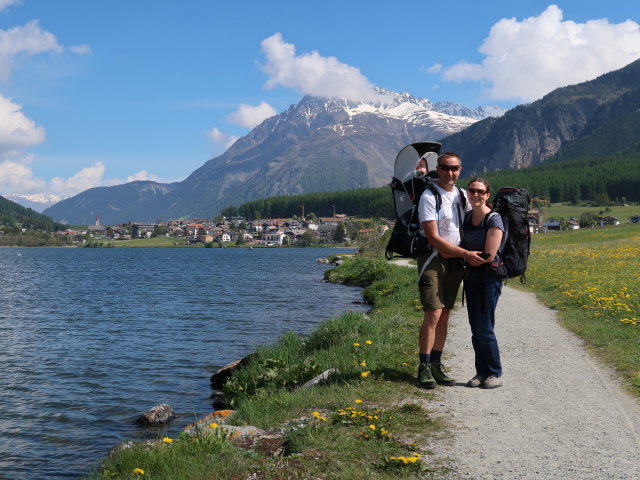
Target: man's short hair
{"points": [[449, 155]]}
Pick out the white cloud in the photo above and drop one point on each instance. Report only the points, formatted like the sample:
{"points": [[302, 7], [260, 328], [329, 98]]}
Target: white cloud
{"points": [[17, 177], [248, 116], [221, 138], [524, 60], [312, 74], [17, 131], [86, 178], [142, 175], [435, 68], [80, 49], [29, 39], [5, 3]]}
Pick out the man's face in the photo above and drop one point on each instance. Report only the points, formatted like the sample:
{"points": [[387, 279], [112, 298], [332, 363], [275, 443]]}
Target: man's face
{"points": [[448, 171]]}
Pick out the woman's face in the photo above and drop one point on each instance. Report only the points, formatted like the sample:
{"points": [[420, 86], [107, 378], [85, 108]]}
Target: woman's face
{"points": [[477, 193]]}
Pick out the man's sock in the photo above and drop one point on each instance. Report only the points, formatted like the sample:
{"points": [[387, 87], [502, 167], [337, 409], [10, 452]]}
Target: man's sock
{"points": [[424, 357], [436, 356]]}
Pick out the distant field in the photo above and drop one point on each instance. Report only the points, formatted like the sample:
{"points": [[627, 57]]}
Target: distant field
{"points": [[151, 242], [591, 277], [566, 211]]}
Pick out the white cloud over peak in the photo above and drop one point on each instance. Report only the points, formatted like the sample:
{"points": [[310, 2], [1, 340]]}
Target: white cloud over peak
{"points": [[84, 179], [142, 175], [223, 139], [17, 177], [313, 74], [29, 39], [248, 116], [524, 60]]}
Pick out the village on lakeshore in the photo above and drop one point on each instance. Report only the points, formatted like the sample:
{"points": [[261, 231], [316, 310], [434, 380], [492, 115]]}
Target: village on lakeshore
{"points": [[292, 231]]}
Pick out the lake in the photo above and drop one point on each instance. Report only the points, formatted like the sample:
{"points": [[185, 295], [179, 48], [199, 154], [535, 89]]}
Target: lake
{"points": [[92, 338]]}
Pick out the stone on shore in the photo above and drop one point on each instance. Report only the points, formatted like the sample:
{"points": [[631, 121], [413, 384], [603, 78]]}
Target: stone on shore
{"points": [[221, 376], [157, 416]]}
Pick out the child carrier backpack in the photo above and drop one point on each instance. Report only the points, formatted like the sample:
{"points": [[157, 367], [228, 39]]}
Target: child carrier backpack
{"points": [[407, 186], [512, 203]]}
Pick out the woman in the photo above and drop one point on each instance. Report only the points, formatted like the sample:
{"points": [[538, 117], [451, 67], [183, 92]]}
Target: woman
{"points": [[482, 231]]}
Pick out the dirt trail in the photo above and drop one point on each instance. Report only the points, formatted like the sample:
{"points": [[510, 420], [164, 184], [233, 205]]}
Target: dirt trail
{"points": [[559, 414]]}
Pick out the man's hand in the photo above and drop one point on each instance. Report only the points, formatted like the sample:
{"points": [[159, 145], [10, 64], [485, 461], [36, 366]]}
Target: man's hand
{"points": [[473, 258]]}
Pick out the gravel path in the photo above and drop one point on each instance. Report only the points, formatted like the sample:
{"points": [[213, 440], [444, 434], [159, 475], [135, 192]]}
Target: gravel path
{"points": [[559, 414]]}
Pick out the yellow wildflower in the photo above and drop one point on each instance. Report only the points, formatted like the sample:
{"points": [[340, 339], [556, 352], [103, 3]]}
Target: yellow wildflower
{"points": [[356, 344], [138, 471], [368, 342], [372, 426], [363, 364], [213, 425], [167, 440], [358, 400], [365, 374]]}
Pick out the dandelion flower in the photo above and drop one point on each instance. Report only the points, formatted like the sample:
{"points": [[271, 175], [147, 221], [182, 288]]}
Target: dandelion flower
{"points": [[372, 426], [363, 364], [365, 374], [358, 400], [368, 342], [167, 440], [138, 471], [356, 344], [213, 425]]}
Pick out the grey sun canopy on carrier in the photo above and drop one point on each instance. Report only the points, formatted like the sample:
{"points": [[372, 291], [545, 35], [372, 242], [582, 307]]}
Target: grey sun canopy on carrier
{"points": [[406, 186]]}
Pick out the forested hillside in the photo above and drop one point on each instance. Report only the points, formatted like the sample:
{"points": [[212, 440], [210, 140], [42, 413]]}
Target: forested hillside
{"points": [[365, 202], [12, 214], [598, 179]]}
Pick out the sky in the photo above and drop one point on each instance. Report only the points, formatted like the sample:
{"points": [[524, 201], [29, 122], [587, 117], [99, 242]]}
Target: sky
{"points": [[96, 93]]}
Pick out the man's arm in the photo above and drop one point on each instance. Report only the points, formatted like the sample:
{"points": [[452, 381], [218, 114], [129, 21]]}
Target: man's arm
{"points": [[446, 249]]}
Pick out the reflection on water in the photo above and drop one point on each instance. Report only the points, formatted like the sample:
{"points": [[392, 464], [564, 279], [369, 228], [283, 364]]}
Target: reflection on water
{"points": [[91, 338]]}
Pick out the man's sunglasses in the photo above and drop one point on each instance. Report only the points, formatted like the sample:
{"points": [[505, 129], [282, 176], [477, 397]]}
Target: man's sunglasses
{"points": [[450, 168]]}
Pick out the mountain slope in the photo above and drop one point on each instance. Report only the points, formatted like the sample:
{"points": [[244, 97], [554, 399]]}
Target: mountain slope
{"points": [[317, 145], [534, 133]]}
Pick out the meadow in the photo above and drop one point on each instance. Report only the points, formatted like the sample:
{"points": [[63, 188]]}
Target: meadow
{"points": [[621, 212], [591, 277]]}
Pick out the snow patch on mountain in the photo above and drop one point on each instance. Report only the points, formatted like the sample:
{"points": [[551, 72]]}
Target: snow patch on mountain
{"points": [[38, 202]]}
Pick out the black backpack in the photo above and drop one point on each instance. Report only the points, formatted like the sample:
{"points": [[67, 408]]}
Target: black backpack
{"points": [[512, 203], [406, 238]]}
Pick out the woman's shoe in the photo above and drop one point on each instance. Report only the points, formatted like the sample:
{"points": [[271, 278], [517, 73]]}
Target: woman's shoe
{"points": [[492, 382]]}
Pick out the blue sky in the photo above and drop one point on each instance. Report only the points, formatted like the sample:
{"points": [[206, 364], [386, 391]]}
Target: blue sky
{"points": [[103, 92]]}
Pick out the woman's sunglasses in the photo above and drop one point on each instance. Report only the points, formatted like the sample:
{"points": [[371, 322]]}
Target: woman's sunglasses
{"points": [[476, 191], [450, 168]]}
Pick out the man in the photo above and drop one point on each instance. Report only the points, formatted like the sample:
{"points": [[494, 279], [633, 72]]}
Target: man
{"points": [[441, 276]]}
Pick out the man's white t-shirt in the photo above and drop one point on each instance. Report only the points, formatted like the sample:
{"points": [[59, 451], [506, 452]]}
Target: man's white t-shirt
{"points": [[449, 221]]}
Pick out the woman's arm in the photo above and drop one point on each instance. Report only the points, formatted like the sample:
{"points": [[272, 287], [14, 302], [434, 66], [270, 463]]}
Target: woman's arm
{"points": [[492, 243]]}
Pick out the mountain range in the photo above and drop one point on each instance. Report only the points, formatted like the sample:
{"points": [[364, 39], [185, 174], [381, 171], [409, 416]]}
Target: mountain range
{"points": [[316, 145], [321, 145], [593, 119], [38, 202]]}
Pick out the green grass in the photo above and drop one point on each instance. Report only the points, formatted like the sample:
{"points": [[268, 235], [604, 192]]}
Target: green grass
{"points": [[374, 360], [591, 276], [566, 211]]}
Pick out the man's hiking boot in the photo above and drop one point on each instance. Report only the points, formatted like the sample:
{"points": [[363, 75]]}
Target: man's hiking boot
{"points": [[425, 378], [440, 374], [476, 381]]}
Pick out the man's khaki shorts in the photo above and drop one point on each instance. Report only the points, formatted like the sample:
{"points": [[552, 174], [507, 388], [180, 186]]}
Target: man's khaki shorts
{"points": [[440, 282]]}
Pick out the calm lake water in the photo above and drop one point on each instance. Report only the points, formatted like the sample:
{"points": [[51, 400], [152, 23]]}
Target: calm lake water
{"points": [[91, 338]]}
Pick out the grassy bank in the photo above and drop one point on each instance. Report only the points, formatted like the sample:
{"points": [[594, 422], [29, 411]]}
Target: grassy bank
{"points": [[591, 276], [367, 421]]}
